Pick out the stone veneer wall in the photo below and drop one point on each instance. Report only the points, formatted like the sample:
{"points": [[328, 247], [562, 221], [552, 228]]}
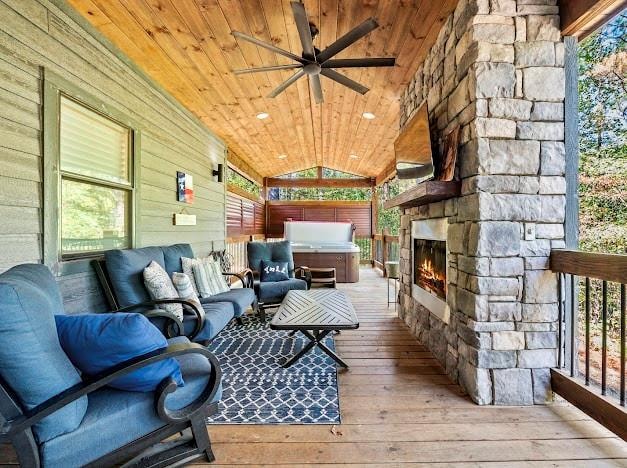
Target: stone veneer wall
{"points": [[497, 70]]}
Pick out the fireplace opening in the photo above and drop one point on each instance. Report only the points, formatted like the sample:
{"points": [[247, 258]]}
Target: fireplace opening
{"points": [[430, 266]]}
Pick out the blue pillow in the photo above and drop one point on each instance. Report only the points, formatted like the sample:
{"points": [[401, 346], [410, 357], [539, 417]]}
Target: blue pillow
{"points": [[96, 342], [274, 271]]}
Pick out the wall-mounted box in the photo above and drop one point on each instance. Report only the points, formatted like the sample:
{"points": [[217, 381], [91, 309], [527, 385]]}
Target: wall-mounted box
{"points": [[181, 219]]}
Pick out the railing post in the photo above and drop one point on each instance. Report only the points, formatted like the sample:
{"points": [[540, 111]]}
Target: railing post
{"points": [[373, 249], [385, 252]]}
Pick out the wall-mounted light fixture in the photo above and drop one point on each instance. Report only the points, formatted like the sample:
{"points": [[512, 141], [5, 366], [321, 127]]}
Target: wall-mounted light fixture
{"points": [[219, 173]]}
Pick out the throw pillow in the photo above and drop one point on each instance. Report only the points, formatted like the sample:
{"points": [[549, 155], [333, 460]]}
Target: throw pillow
{"points": [[159, 286], [183, 285], [208, 277], [97, 342], [186, 265], [274, 271]]}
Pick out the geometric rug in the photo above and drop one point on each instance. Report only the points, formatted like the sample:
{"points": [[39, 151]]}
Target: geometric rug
{"points": [[257, 389]]}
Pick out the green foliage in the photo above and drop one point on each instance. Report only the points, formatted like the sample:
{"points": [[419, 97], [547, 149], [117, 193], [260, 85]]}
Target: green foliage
{"points": [[235, 178], [92, 212], [603, 86], [389, 220], [350, 194], [603, 145]]}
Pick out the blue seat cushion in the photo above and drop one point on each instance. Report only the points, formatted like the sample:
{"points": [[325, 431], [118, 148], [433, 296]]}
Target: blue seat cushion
{"points": [[172, 256], [270, 252], [32, 361], [115, 418], [275, 292], [126, 268], [97, 342], [217, 316], [241, 298]]}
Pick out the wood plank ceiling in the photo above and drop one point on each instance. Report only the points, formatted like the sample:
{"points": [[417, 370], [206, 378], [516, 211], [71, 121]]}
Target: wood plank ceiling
{"points": [[187, 47]]}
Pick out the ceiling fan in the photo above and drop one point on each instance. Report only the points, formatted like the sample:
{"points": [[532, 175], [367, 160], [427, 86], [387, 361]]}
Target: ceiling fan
{"points": [[314, 62]]}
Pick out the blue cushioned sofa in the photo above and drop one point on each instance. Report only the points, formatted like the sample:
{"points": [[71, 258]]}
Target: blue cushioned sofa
{"points": [[53, 417], [121, 275]]}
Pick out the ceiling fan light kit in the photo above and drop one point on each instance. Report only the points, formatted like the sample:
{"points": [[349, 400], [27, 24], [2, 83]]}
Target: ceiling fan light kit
{"points": [[313, 62]]}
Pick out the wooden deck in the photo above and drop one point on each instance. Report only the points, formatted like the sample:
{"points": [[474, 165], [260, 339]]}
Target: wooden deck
{"points": [[399, 408]]}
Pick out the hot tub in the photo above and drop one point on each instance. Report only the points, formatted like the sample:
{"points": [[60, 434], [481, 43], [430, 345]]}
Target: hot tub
{"points": [[325, 245]]}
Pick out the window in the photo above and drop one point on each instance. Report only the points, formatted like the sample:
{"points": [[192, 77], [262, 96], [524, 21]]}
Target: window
{"points": [[95, 161]]}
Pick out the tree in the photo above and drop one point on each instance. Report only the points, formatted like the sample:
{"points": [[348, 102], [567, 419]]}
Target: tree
{"points": [[603, 145]]}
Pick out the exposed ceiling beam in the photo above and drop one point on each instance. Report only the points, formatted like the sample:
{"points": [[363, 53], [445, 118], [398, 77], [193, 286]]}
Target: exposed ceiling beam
{"points": [[582, 17], [277, 182]]}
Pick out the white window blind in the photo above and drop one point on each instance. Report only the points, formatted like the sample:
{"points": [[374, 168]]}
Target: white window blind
{"points": [[92, 145], [96, 181]]}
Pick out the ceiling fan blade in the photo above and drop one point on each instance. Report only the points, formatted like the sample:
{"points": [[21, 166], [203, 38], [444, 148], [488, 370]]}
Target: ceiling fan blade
{"points": [[265, 45], [345, 80], [316, 86], [347, 39], [360, 62], [302, 23], [265, 69], [283, 86]]}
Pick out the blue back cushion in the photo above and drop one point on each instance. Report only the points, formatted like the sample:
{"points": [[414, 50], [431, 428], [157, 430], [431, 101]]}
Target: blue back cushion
{"points": [[97, 342], [172, 256], [270, 252], [273, 271], [126, 268], [31, 359]]}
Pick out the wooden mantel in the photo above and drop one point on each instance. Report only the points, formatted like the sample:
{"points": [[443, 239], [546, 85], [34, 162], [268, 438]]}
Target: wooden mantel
{"points": [[426, 192]]}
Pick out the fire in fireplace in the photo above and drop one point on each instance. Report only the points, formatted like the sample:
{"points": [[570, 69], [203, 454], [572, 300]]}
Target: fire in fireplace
{"points": [[430, 266]]}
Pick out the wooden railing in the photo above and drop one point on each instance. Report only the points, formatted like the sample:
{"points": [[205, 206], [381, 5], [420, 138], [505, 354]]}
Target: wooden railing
{"points": [[236, 247], [384, 248], [591, 334]]}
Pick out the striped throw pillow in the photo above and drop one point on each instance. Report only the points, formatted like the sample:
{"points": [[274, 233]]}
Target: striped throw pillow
{"points": [[183, 285], [208, 277]]}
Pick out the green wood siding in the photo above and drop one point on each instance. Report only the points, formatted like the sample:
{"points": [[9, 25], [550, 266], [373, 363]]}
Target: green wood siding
{"points": [[38, 36]]}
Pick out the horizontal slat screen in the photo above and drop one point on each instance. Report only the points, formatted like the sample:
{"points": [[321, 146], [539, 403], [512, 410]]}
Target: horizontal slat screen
{"points": [[356, 214], [92, 145], [244, 217], [260, 218], [319, 214], [359, 216], [278, 214]]}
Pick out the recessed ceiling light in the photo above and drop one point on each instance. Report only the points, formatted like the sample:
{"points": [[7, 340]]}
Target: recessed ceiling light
{"points": [[282, 156], [368, 115], [354, 156], [263, 115]]}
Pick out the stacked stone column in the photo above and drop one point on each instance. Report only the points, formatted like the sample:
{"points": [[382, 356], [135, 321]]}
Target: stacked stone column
{"points": [[496, 70]]}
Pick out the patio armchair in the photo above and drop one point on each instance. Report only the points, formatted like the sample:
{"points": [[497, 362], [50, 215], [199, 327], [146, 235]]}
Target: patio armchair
{"points": [[271, 293], [120, 273], [53, 417]]}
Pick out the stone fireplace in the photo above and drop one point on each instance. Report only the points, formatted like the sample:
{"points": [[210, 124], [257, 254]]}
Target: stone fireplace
{"points": [[429, 265], [490, 316]]}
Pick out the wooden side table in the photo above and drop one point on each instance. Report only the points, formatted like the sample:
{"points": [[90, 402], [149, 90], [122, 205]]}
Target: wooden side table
{"points": [[323, 277]]}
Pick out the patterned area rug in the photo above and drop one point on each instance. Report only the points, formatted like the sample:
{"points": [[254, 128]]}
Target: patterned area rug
{"points": [[258, 390]]}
